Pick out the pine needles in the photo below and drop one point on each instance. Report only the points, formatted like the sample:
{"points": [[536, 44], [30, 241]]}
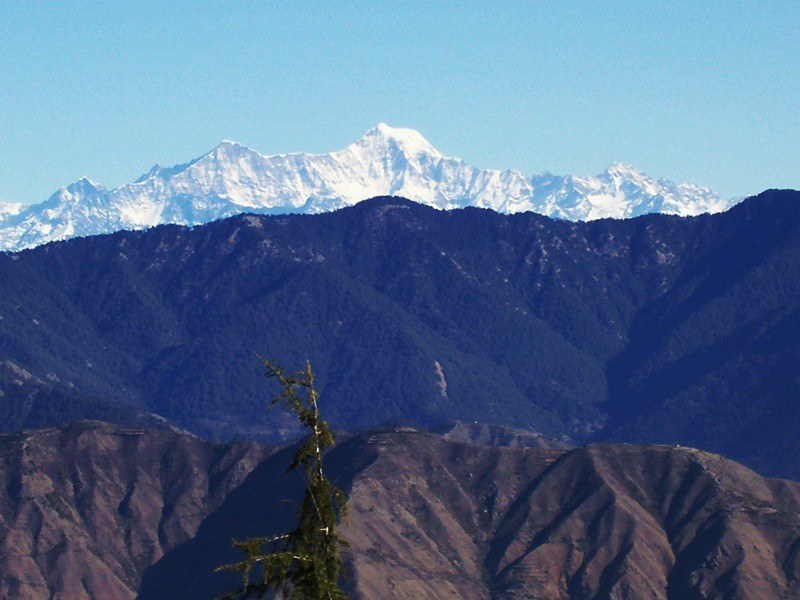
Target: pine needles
{"points": [[303, 564]]}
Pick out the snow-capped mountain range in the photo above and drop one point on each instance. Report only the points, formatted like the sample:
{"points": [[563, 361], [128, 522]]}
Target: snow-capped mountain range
{"points": [[232, 179]]}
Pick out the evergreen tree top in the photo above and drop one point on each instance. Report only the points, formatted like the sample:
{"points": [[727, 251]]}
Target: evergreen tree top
{"points": [[303, 564]]}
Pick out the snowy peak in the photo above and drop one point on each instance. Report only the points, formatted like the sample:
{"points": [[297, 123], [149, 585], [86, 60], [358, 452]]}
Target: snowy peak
{"points": [[76, 192], [154, 171], [84, 185], [623, 171], [233, 178], [226, 157], [227, 150], [391, 139]]}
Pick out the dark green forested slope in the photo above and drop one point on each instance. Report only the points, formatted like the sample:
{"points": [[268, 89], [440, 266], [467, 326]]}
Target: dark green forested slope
{"points": [[682, 330]]}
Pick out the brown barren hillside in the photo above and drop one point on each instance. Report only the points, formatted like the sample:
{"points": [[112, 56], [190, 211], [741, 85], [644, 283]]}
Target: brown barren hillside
{"points": [[85, 509], [94, 511], [433, 519]]}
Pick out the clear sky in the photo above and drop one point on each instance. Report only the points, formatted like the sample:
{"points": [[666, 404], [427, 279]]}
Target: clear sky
{"points": [[704, 92]]}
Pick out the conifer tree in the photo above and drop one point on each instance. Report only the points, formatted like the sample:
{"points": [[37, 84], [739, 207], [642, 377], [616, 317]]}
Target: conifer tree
{"points": [[304, 563]]}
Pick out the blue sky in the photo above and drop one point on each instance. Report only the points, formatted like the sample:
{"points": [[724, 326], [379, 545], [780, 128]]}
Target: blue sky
{"points": [[701, 92]]}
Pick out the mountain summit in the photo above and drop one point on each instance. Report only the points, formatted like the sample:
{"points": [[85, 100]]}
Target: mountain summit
{"points": [[233, 178]]}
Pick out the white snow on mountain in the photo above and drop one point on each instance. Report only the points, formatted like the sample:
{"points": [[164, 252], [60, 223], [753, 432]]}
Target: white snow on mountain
{"points": [[9, 209], [232, 179]]}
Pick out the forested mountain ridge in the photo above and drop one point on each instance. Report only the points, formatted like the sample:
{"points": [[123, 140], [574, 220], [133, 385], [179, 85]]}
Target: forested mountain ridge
{"points": [[659, 328]]}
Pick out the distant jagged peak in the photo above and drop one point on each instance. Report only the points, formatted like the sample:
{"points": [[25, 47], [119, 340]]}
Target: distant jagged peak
{"points": [[80, 189], [226, 143], [164, 173], [232, 147], [229, 152], [86, 183], [383, 137], [154, 171], [620, 169]]}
